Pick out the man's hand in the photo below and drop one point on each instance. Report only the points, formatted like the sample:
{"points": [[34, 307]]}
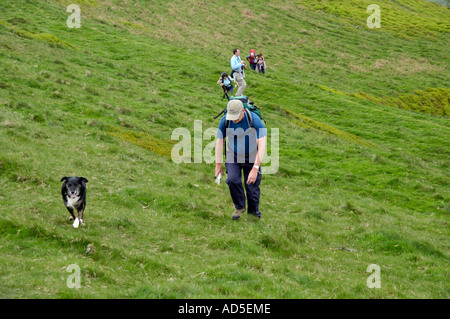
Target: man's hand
{"points": [[252, 176], [219, 169]]}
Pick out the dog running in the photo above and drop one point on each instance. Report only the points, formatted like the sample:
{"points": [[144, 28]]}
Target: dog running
{"points": [[74, 196]]}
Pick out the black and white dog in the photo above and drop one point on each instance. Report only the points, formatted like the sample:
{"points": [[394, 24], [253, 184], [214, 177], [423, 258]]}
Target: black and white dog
{"points": [[74, 196]]}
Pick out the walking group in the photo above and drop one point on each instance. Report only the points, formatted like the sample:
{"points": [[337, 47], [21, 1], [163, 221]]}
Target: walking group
{"points": [[246, 135], [237, 75]]}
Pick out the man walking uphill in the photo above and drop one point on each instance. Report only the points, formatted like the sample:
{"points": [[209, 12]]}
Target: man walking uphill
{"points": [[237, 67], [246, 146]]}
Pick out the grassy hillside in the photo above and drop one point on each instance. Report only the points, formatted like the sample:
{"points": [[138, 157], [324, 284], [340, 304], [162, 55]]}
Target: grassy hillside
{"points": [[363, 116]]}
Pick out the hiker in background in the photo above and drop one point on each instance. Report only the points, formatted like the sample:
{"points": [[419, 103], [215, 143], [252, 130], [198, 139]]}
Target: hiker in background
{"points": [[225, 81], [260, 63], [237, 71], [251, 58]]}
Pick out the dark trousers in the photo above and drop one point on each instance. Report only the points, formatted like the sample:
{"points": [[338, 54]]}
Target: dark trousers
{"points": [[234, 181]]}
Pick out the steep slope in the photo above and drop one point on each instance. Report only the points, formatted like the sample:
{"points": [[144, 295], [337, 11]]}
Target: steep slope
{"points": [[102, 101]]}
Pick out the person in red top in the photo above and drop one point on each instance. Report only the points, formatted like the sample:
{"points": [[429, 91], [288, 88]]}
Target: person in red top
{"points": [[251, 58]]}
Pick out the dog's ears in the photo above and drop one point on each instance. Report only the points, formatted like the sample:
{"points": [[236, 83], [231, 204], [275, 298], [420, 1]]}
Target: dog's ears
{"points": [[65, 178]]}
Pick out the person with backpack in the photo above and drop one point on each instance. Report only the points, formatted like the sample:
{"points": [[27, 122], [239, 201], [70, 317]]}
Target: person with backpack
{"points": [[237, 71], [251, 58], [225, 81], [246, 135], [260, 63]]}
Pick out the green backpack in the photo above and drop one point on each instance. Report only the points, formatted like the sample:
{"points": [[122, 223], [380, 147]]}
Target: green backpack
{"points": [[248, 106]]}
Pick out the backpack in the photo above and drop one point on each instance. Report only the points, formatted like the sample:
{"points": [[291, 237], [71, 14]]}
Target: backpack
{"points": [[228, 86], [251, 60], [248, 106]]}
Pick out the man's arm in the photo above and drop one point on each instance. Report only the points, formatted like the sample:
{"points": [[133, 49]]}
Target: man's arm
{"points": [[261, 142], [252, 176], [219, 156]]}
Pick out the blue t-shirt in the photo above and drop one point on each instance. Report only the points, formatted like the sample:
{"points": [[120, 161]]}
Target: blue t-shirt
{"points": [[241, 137]]}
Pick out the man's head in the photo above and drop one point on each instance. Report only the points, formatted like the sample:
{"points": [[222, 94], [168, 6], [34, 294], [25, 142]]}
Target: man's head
{"points": [[236, 52], [235, 111], [252, 52]]}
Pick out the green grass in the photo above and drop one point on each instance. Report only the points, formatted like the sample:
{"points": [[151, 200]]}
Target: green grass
{"points": [[433, 101], [405, 18], [354, 171]]}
